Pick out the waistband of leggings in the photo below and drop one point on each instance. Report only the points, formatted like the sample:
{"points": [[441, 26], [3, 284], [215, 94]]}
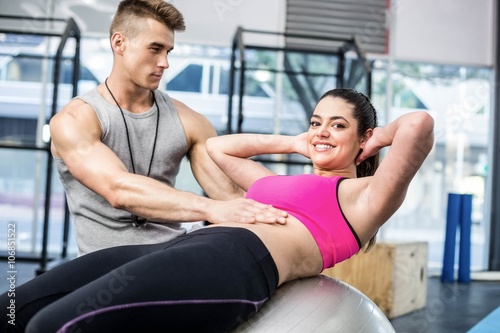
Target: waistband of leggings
{"points": [[253, 243]]}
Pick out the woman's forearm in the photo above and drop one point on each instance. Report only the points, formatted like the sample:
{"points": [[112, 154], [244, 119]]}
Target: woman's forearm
{"points": [[411, 138], [407, 134], [248, 145], [231, 153]]}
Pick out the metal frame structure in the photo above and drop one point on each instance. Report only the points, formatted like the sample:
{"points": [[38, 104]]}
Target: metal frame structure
{"points": [[239, 49], [494, 248], [71, 30]]}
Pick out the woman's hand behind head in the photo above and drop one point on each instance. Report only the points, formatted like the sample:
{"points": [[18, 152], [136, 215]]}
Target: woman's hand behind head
{"points": [[301, 145]]}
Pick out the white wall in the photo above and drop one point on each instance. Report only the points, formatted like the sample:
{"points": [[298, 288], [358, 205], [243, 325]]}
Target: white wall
{"points": [[214, 22], [444, 31], [92, 17], [437, 31]]}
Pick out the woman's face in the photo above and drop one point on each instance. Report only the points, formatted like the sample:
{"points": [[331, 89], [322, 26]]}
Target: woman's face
{"points": [[333, 141]]}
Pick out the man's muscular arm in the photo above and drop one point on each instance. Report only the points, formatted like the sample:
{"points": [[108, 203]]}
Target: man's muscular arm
{"points": [[76, 133]]}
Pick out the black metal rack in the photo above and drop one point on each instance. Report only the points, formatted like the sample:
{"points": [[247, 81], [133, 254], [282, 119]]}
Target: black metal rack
{"points": [[70, 30], [239, 50]]}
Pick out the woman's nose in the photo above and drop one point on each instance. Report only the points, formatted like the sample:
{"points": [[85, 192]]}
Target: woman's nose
{"points": [[322, 132]]}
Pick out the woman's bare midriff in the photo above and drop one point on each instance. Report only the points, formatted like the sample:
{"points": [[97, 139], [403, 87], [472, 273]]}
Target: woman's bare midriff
{"points": [[291, 245]]}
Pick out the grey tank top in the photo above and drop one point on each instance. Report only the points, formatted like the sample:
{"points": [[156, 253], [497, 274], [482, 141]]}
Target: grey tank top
{"points": [[97, 224]]}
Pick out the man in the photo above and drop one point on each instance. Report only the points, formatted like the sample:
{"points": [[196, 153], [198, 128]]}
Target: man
{"points": [[118, 147]]}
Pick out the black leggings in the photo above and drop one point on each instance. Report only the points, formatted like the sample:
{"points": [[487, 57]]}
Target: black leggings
{"points": [[210, 280]]}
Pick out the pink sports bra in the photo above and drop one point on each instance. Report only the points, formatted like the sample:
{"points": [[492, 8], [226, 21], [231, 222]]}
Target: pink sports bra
{"points": [[312, 200]]}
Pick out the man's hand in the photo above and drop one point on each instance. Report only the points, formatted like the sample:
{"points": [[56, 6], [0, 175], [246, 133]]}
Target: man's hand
{"points": [[246, 211]]}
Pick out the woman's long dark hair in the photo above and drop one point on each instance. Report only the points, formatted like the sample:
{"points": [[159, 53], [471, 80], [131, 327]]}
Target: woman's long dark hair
{"points": [[365, 114]]}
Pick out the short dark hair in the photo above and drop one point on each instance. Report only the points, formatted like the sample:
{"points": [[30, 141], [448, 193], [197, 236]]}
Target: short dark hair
{"points": [[129, 11]]}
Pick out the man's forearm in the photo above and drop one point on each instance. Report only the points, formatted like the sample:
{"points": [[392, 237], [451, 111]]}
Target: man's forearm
{"points": [[153, 200]]}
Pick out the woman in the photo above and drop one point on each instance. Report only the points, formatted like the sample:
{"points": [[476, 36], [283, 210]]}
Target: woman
{"points": [[217, 277]]}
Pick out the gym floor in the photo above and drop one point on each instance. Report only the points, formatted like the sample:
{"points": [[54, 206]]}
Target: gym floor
{"points": [[451, 307]]}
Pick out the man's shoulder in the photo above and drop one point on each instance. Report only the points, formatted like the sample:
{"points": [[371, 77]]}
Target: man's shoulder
{"points": [[178, 105], [76, 105], [186, 112]]}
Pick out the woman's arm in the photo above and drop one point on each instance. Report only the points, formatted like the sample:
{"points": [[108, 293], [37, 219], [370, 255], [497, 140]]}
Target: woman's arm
{"points": [[231, 153], [411, 138]]}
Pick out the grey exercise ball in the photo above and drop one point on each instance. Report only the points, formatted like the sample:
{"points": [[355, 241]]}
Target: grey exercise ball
{"points": [[318, 304]]}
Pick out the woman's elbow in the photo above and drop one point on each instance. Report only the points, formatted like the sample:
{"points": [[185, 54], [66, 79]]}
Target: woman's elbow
{"points": [[423, 126], [428, 129], [427, 120]]}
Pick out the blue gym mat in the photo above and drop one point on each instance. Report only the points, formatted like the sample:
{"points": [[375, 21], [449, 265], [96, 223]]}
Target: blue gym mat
{"points": [[489, 324]]}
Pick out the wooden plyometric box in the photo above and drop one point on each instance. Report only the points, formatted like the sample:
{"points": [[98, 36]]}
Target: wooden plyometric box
{"points": [[392, 275]]}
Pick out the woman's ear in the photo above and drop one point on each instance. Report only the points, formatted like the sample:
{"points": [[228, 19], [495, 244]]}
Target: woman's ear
{"points": [[368, 134]]}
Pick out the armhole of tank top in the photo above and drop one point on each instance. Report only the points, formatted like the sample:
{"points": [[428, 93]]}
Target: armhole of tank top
{"points": [[98, 115], [170, 104], [339, 180], [173, 110]]}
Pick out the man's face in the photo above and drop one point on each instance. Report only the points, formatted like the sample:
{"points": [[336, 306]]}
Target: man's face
{"points": [[145, 56]]}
